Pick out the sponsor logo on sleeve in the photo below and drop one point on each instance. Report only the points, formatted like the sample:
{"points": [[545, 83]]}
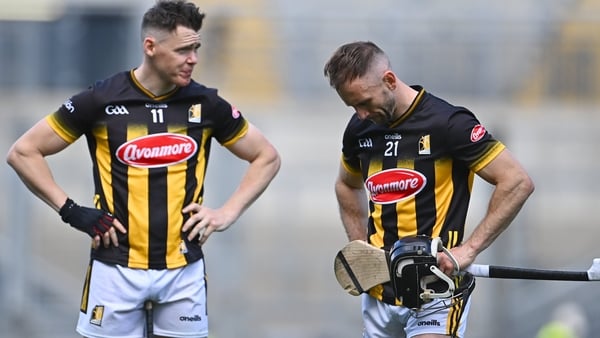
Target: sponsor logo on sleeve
{"points": [[235, 113], [69, 106], [477, 133]]}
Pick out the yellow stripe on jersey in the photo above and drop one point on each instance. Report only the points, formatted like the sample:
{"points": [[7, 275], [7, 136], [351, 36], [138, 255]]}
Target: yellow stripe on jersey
{"points": [[139, 212], [443, 193], [237, 136], [175, 180], [200, 171], [348, 168], [60, 130], [470, 180], [377, 237], [406, 210], [491, 154], [452, 239], [103, 160]]}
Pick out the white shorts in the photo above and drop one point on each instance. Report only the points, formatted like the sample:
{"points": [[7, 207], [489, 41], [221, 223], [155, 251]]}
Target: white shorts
{"points": [[113, 299], [382, 320]]}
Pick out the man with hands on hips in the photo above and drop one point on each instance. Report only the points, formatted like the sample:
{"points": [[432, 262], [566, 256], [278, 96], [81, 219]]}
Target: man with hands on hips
{"points": [[148, 132]]}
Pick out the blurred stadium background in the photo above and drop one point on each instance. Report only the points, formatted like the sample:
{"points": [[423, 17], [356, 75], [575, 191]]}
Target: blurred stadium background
{"points": [[530, 69]]}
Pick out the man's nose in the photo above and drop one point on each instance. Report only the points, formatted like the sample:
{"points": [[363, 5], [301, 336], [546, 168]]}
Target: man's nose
{"points": [[363, 114], [192, 58]]}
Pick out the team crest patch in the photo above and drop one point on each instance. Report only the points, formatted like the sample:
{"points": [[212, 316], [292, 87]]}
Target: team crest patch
{"points": [[195, 113], [424, 145], [183, 248], [97, 315]]}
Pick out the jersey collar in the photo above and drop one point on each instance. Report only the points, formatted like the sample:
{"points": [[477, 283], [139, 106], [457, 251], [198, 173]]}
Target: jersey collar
{"points": [[412, 107]]}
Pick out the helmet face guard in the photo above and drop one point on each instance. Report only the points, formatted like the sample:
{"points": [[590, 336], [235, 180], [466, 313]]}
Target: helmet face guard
{"points": [[414, 273]]}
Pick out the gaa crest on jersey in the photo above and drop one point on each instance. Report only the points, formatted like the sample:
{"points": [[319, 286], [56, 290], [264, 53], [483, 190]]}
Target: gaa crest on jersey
{"points": [[393, 185], [365, 143], [113, 109], [195, 113], [157, 150], [97, 314]]}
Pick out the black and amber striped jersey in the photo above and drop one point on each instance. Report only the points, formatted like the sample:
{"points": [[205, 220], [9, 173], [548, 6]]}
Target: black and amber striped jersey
{"points": [[149, 155], [418, 171]]}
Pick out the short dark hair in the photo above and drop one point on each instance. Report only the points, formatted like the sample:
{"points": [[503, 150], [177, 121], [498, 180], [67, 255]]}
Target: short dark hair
{"points": [[166, 15], [351, 61]]}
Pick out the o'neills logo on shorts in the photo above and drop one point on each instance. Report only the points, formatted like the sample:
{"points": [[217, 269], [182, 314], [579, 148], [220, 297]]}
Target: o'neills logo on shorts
{"points": [[157, 150], [432, 322], [393, 185]]}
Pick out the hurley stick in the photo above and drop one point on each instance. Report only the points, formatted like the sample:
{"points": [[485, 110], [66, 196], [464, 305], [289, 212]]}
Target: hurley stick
{"points": [[360, 266]]}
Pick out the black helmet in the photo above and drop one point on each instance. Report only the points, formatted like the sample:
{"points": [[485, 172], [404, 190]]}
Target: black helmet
{"points": [[414, 272]]}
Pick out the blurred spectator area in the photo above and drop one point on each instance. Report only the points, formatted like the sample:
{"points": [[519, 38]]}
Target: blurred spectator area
{"points": [[521, 50]]}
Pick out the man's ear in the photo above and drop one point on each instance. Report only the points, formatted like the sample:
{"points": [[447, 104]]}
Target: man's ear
{"points": [[390, 80], [149, 45]]}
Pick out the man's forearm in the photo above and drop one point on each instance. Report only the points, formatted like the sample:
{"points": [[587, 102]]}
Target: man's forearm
{"points": [[352, 204], [254, 182], [505, 204], [37, 177]]}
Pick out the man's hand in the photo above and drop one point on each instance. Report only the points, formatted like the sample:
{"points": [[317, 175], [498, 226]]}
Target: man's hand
{"points": [[204, 221], [94, 222], [464, 257]]}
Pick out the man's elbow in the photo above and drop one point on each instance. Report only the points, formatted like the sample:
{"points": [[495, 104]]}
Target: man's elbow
{"points": [[273, 159], [526, 185], [12, 156]]}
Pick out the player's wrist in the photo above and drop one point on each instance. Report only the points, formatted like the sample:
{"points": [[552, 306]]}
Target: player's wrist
{"points": [[89, 220], [66, 209]]}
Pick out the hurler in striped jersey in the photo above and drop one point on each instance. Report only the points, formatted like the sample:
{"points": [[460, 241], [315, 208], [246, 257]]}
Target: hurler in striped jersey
{"points": [[416, 156], [149, 133]]}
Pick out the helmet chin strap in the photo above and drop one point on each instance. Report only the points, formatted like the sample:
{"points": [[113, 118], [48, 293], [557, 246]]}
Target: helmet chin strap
{"points": [[430, 294]]}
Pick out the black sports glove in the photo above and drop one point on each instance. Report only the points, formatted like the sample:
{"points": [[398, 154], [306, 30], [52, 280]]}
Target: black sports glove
{"points": [[89, 220]]}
